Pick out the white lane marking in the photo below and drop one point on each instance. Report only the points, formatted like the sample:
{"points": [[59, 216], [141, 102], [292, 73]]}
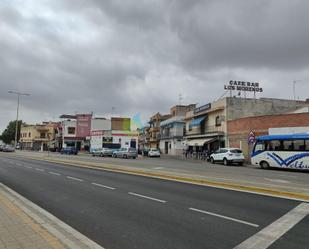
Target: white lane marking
{"points": [[39, 169], [274, 231], [28, 167], [19, 164], [147, 197], [74, 178], [103, 186], [277, 180], [224, 217], [54, 173], [158, 168]]}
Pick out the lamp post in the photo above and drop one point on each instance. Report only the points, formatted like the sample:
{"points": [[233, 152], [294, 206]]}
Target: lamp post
{"points": [[17, 111], [294, 88]]}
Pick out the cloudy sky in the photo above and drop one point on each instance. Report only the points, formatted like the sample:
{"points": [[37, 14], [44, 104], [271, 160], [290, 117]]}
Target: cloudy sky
{"points": [[138, 56]]}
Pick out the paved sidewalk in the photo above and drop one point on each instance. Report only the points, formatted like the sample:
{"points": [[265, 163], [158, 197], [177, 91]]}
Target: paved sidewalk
{"points": [[24, 225], [18, 230]]}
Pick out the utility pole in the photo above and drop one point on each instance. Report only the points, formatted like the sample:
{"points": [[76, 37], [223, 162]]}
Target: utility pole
{"points": [[17, 112]]}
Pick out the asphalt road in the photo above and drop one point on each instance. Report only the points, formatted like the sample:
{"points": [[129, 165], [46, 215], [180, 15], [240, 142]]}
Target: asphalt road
{"points": [[121, 211], [280, 179]]}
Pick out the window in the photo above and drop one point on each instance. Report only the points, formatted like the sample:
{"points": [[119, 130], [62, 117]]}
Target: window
{"points": [[274, 145], [299, 145], [42, 135], [218, 121], [260, 146], [29, 134], [71, 130]]}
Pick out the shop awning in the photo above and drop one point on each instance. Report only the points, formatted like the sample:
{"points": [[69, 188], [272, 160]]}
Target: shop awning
{"points": [[200, 142], [197, 121]]}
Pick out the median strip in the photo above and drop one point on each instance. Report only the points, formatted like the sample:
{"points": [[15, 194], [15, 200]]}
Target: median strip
{"points": [[224, 217], [147, 197]]}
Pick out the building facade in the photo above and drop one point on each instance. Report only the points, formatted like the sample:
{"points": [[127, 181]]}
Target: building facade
{"points": [[76, 131], [154, 130], [172, 130], [38, 137], [112, 133], [239, 130], [207, 125]]}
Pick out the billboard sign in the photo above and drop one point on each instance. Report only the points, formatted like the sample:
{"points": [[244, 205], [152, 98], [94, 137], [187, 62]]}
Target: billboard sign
{"points": [[83, 125]]}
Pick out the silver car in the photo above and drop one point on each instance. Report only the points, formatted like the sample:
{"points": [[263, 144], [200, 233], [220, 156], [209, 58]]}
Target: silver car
{"points": [[101, 152], [126, 153]]}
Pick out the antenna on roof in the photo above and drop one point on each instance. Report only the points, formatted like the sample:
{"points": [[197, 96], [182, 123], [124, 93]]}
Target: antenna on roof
{"points": [[180, 98]]}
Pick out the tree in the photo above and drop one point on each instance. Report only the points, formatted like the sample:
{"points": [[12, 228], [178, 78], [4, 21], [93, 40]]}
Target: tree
{"points": [[8, 135]]}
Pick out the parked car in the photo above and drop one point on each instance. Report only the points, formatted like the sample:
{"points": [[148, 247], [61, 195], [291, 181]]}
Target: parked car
{"points": [[145, 152], [102, 152], [1, 147], [69, 151], [154, 153], [228, 156], [8, 148], [126, 153]]}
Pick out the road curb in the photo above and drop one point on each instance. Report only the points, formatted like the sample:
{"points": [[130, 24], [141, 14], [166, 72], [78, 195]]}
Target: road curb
{"points": [[67, 235], [203, 182]]}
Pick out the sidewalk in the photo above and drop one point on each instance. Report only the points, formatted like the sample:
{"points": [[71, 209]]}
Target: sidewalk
{"points": [[23, 225]]}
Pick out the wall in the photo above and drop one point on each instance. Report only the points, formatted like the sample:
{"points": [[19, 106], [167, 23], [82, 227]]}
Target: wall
{"points": [[240, 107], [66, 124], [239, 129], [98, 124], [121, 124]]}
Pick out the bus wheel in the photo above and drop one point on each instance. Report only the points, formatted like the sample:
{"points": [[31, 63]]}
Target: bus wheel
{"points": [[264, 165]]}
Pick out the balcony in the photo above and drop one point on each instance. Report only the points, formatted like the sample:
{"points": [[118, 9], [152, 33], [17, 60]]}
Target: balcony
{"points": [[154, 129]]}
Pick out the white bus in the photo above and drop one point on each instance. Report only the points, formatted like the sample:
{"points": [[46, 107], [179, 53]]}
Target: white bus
{"points": [[282, 151]]}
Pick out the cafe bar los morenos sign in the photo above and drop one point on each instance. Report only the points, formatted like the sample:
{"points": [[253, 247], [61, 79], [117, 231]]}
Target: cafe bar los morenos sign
{"points": [[243, 86]]}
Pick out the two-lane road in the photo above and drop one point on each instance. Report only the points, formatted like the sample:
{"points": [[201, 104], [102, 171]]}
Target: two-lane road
{"points": [[127, 211]]}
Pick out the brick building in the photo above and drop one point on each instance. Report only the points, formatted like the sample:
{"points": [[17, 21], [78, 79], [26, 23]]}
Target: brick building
{"points": [[238, 130]]}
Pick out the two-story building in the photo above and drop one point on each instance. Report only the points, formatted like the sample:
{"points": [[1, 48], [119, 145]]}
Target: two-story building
{"points": [[172, 130], [76, 131], [207, 125], [112, 133], [38, 137]]}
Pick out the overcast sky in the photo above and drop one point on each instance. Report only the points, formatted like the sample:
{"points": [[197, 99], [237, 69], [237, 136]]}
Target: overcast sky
{"points": [[138, 56]]}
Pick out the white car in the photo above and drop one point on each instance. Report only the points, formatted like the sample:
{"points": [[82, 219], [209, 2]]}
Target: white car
{"points": [[228, 156], [154, 153]]}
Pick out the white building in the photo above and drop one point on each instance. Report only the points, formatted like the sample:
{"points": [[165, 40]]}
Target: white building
{"points": [[104, 136], [172, 132]]}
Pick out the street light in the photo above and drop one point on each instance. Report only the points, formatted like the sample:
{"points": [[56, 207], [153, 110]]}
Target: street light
{"points": [[294, 90], [16, 127]]}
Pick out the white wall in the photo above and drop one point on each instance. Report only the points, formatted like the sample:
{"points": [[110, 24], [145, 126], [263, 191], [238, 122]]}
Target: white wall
{"points": [[288, 130], [66, 124], [100, 124]]}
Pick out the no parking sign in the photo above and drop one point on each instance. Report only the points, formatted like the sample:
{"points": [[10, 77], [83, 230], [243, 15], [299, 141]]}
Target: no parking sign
{"points": [[251, 137]]}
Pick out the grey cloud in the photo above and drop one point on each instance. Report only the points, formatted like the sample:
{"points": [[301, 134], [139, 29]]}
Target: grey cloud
{"points": [[138, 56]]}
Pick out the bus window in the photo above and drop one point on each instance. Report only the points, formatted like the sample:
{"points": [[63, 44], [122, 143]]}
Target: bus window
{"points": [[299, 145], [274, 145], [259, 146], [288, 145]]}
